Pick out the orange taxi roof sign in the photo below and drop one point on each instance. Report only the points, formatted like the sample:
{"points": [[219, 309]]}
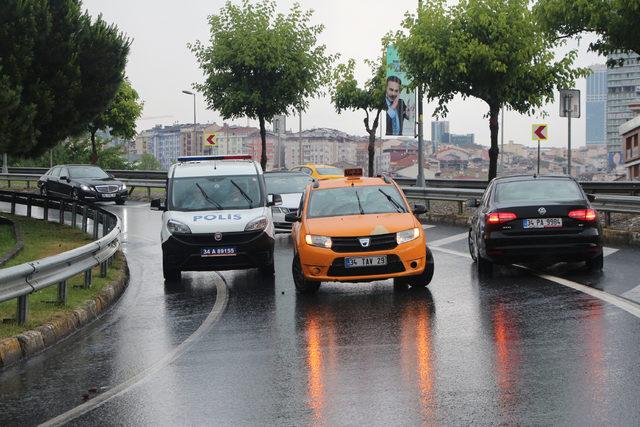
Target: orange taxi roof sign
{"points": [[353, 172]]}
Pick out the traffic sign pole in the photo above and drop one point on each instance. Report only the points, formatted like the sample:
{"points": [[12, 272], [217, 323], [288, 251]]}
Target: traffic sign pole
{"points": [[569, 137], [538, 157]]}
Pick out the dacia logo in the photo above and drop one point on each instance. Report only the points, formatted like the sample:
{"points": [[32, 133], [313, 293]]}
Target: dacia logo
{"points": [[365, 242]]}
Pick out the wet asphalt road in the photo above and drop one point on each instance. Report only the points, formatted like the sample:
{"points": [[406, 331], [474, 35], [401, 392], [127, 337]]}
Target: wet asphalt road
{"points": [[513, 349]]}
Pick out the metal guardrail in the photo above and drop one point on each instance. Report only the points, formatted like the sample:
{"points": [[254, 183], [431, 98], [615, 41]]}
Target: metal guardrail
{"points": [[22, 280], [606, 203]]}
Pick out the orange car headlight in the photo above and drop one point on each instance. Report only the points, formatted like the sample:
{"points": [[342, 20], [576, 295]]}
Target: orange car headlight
{"points": [[407, 235], [320, 241]]}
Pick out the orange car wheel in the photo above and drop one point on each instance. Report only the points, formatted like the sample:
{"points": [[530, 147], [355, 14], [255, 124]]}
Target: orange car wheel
{"points": [[303, 285]]}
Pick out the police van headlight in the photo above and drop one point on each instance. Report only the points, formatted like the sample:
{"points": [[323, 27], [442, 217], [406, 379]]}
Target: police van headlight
{"points": [[259, 223], [407, 235], [320, 241], [176, 227]]}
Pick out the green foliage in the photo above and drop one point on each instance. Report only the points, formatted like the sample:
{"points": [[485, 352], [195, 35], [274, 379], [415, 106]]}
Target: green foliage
{"points": [[147, 162], [58, 70], [120, 116], [261, 63], [78, 150], [615, 21], [493, 50], [347, 95]]}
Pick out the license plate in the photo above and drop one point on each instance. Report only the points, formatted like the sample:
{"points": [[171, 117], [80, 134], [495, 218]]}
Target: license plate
{"points": [[365, 261], [210, 252], [108, 195], [542, 223]]}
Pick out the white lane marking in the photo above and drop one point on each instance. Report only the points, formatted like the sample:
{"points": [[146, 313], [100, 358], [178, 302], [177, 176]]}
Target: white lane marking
{"points": [[628, 306], [633, 294], [425, 226], [609, 251], [222, 297], [450, 239]]}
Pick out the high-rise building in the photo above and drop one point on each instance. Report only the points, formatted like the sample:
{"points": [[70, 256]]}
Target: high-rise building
{"points": [[439, 133], [461, 140], [623, 84], [596, 114]]}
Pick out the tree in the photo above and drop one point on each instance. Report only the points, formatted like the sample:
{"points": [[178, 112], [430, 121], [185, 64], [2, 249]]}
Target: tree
{"points": [[119, 118], [615, 21], [58, 70], [346, 95], [148, 162], [493, 50], [261, 64]]}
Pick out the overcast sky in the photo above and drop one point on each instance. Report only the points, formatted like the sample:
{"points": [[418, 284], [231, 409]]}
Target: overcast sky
{"points": [[160, 65]]}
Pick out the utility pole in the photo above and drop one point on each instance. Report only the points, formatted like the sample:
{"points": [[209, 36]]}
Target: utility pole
{"points": [[195, 147], [569, 114], [420, 178], [502, 143], [5, 164]]}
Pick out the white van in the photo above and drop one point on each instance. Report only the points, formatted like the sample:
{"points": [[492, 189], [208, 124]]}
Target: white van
{"points": [[217, 216]]}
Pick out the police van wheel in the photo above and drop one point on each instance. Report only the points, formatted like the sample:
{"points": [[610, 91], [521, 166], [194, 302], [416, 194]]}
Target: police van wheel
{"points": [[267, 270], [303, 285], [170, 273]]}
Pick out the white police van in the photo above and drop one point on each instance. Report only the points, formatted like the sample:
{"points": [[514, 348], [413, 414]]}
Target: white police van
{"points": [[217, 216]]}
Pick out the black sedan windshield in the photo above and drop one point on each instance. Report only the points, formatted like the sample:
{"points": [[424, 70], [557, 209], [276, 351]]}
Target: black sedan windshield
{"points": [[87, 172]]}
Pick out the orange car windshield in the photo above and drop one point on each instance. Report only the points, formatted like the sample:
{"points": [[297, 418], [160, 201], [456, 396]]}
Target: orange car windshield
{"points": [[357, 200]]}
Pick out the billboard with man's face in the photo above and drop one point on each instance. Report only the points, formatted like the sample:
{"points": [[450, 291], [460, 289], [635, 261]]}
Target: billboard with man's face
{"points": [[400, 104]]}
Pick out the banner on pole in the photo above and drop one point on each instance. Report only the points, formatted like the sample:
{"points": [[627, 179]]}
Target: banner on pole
{"points": [[400, 104]]}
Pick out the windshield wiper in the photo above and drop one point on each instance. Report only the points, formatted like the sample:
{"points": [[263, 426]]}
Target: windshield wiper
{"points": [[245, 195], [392, 200], [207, 198], [359, 204]]}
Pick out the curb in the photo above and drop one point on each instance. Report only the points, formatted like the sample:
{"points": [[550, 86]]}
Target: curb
{"points": [[36, 340], [609, 235], [17, 234]]}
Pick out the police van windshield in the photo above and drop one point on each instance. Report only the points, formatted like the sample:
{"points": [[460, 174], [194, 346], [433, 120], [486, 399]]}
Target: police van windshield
{"points": [[360, 200], [206, 193]]}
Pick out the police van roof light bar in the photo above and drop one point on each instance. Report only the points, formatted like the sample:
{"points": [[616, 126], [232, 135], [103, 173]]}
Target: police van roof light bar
{"points": [[204, 158]]}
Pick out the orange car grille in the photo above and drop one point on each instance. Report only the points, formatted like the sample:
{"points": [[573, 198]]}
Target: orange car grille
{"points": [[380, 242]]}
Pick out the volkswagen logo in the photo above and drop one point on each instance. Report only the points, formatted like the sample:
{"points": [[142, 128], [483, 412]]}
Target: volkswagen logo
{"points": [[217, 236], [365, 241], [542, 211]]}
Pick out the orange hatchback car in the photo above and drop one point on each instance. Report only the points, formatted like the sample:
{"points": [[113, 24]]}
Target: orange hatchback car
{"points": [[357, 229]]}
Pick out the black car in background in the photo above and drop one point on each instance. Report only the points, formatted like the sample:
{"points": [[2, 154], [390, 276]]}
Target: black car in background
{"points": [[534, 219], [82, 182]]}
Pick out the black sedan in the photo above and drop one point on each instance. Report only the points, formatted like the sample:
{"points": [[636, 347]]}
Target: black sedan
{"points": [[534, 219], [82, 182]]}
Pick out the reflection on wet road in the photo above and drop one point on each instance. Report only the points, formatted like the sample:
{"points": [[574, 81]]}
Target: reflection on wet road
{"points": [[513, 349]]}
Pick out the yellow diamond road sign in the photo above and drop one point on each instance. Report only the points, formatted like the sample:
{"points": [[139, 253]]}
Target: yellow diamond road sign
{"points": [[210, 140], [539, 132]]}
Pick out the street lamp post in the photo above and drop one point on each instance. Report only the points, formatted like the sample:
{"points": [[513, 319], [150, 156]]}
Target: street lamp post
{"points": [[420, 177], [187, 92]]}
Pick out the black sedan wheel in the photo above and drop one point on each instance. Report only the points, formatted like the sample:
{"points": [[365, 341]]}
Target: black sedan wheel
{"points": [[472, 247], [75, 195], [120, 201]]}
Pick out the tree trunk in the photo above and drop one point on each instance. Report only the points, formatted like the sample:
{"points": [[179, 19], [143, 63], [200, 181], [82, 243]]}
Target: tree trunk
{"points": [[372, 142], [263, 137], [494, 111], [94, 149], [372, 150]]}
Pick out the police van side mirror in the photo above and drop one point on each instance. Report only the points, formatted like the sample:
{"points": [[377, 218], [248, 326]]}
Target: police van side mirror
{"points": [[274, 200], [157, 205], [291, 217]]}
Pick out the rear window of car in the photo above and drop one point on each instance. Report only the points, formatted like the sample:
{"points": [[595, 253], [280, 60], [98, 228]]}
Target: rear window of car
{"points": [[538, 190]]}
